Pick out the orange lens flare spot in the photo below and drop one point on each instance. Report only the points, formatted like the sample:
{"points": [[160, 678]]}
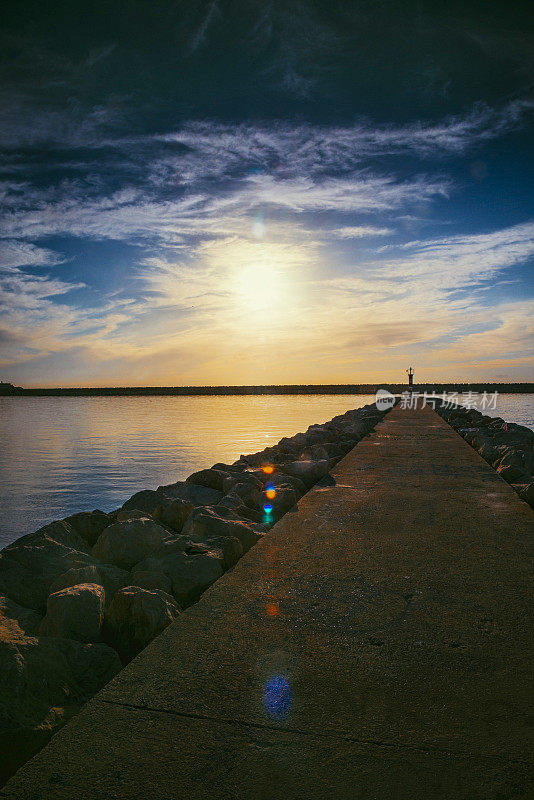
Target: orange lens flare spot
{"points": [[270, 494], [268, 469], [272, 609]]}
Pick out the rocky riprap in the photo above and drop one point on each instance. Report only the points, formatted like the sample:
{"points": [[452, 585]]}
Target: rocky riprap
{"points": [[82, 596], [508, 447]]}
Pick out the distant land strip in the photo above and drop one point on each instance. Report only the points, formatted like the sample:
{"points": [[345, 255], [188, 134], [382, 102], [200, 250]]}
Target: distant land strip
{"points": [[297, 389]]}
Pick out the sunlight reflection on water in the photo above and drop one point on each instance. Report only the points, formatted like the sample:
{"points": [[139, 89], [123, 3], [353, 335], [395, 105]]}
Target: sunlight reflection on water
{"points": [[59, 455], [65, 454]]}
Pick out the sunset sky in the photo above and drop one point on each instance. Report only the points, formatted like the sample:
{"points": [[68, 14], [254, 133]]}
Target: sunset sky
{"points": [[254, 192]]}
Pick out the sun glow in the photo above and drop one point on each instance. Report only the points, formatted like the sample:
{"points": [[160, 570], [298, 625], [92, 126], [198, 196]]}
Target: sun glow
{"points": [[259, 286]]}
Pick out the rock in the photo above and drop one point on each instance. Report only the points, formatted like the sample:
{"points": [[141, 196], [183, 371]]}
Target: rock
{"points": [[109, 577], [235, 504], [29, 565], [59, 532], [247, 485], [175, 514], [285, 498], [75, 613], [190, 574], [527, 494], [514, 466], [135, 617], [210, 478], [89, 524], [126, 543], [192, 493], [229, 548], [43, 683], [204, 523], [152, 579], [309, 472], [147, 500], [123, 515], [27, 619]]}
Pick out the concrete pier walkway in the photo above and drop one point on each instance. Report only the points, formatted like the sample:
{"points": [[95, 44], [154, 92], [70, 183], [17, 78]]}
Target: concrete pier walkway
{"points": [[374, 645]]}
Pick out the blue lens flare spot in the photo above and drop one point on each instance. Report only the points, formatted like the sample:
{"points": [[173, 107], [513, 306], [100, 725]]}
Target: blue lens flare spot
{"points": [[277, 697], [268, 508], [270, 487]]}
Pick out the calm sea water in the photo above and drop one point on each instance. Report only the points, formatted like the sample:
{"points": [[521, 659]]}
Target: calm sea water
{"points": [[59, 455]]}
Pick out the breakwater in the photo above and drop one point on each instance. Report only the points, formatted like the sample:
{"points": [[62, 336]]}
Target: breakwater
{"points": [[8, 389], [375, 644], [506, 446], [80, 597]]}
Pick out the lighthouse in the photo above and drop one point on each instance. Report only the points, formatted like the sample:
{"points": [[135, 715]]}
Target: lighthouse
{"points": [[410, 379]]}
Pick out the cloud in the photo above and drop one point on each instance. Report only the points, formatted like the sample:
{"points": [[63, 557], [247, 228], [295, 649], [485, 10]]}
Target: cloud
{"points": [[457, 261], [14, 253], [359, 231]]}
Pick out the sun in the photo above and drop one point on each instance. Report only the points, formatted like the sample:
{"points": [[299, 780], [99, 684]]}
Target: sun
{"points": [[259, 286]]}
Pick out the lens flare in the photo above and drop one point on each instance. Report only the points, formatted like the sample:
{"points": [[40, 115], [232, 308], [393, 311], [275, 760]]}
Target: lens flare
{"points": [[270, 494], [277, 697], [268, 508], [272, 609], [268, 469]]}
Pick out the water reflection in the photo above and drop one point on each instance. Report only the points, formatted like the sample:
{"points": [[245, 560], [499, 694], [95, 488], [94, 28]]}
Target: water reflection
{"points": [[59, 455]]}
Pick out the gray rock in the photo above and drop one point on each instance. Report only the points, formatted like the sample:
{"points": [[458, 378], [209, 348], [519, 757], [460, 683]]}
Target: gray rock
{"points": [[204, 523], [197, 495], [29, 565], [190, 574], [135, 617], [89, 524], [285, 498], [309, 472], [27, 619], [111, 578], [126, 543], [210, 478], [125, 514], [147, 500], [44, 682], [527, 494], [227, 548], [235, 504], [151, 579], [75, 613], [175, 514]]}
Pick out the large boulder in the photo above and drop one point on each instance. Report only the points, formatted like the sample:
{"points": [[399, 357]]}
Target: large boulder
{"points": [[43, 682], [75, 613], [192, 493], [135, 617], [309, 472], [236, 505], [89, 524], [527, 493], [126, 543], [175, 514], [190, 573], [204, 523], [147, 500], [210, 478], [27, 619], [284, 499], [109, 577], [30, 564]]}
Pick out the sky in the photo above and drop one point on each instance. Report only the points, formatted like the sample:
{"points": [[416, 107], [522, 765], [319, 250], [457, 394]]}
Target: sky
{"points": [[241, 192]]}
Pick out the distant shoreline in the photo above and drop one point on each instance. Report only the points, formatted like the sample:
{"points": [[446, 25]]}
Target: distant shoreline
{"points": [[7, 390]]}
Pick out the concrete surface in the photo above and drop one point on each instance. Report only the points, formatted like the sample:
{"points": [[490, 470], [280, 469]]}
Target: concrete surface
{"points": [[376, 644]]}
